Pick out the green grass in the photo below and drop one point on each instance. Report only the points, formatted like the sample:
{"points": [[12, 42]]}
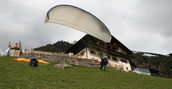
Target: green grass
{"points": [[19, 75]]}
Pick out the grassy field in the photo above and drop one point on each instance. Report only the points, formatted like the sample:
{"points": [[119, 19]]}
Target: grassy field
{"points": [[19, 75]]}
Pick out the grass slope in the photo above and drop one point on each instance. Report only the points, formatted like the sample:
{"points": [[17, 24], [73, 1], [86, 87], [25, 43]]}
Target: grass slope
{"points": [[19, 75]]}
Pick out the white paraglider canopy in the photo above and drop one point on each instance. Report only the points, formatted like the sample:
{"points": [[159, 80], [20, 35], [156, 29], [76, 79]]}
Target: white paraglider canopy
{"points": [[79, 19]]}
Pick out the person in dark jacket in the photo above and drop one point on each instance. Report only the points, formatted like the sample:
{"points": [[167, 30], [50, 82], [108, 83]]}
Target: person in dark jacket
{"points": [[103, 63], [33, 62]]}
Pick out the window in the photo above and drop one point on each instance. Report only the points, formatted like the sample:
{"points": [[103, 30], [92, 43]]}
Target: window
{"points": [[111, 47], [92, 52], [114, 58], [123, 60], [108, 57], [116, 48], [97, 43], [104, 45], [82, 53], [100, 54]]}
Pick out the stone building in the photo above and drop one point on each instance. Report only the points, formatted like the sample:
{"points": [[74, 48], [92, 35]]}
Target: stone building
{"points": [[92, 48]]}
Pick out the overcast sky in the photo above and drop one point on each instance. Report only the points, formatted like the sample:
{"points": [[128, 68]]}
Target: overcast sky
{"points": [[141, 25]]}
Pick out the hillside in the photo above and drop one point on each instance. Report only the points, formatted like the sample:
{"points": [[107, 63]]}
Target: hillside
{"points": [[59, 46], [158, 63], [19, 75]]}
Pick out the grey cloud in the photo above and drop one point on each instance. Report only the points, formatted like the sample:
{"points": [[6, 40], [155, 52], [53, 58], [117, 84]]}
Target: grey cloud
{"points": [[142, 25], [155, 16]]}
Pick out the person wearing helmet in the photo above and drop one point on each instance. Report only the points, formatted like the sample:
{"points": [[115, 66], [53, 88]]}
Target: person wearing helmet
{"points": [[33, 62]]}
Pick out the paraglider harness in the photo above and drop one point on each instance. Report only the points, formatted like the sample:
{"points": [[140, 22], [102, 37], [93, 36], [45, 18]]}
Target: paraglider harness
{"points": [[34, 62]]}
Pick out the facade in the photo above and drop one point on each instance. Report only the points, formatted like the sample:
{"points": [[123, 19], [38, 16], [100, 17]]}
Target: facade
{"points": [[92, 48]]}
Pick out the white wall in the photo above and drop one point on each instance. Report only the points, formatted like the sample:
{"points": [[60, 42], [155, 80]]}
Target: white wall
{"points": [[119, 65]]}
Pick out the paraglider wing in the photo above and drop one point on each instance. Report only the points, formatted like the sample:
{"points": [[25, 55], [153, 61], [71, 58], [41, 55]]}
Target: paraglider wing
{"points": [[79, 19]]}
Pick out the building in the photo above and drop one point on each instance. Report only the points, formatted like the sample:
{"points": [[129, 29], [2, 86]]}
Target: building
{"points": [[92, 48], [144, 71], [14, 49]]}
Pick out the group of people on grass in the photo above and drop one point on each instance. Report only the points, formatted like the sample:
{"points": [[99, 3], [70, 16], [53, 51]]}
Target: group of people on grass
{"points": [[103, 63]]}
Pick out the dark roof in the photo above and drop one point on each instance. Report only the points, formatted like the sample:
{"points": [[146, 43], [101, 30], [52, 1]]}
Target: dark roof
{"points": [[90, 41], [114, 40]]}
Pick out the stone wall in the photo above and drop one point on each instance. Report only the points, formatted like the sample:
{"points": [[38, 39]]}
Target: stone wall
{"points": [[63, 59]]}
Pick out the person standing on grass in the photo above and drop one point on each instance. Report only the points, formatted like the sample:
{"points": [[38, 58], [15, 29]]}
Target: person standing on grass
{"points": [[103, 63]]}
